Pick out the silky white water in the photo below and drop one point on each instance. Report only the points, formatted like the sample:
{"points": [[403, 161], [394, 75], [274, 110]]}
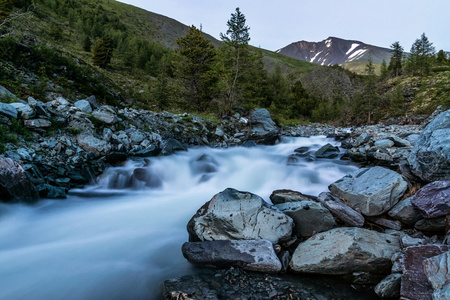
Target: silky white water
{"points": [[111, 242]]}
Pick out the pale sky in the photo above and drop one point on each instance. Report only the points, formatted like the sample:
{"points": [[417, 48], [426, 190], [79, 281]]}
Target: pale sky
{"points": [[275, 24]]}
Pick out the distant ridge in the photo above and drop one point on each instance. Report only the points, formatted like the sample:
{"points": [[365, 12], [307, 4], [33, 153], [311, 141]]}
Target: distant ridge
{"points": [[335, 51]]}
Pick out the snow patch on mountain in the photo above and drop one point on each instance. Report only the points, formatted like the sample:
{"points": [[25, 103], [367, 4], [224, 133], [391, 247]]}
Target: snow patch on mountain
{"points": [[353, 47]]}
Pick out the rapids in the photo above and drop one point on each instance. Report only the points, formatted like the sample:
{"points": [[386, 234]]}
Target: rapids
{"points": [[120, 239]]}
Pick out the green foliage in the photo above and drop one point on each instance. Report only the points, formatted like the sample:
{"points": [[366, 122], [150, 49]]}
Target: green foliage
{"points": [[161, 93], [397, 100], [102, 51], [421, 56], [395, 64], [5, 9], [441, 58], [237, 34], [383, 70], [87, 44]]}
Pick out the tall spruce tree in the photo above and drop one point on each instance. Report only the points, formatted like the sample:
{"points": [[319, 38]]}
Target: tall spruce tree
{"points": [[235, 55], [193, 63], [395, 64], [371, 96], [102, 51], [441, 58], [383, 69], [421, 55]]}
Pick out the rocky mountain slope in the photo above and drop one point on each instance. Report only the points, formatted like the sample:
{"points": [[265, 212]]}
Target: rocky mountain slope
{"points": [[335, 51]]}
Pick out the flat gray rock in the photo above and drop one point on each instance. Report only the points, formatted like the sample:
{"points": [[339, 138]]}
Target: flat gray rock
{"points": [[309, 217], [405, 212], [8, 110], [236, 215], [92, 144], [283, 196], [371, 191], [344, 251], [341, 210], [433, 200], [383, 144], [251, 255], [37, 123], [24, 110], [430, 157]]}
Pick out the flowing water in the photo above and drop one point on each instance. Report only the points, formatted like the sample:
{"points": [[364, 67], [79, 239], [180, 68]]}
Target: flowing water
{"points": [[121, 238]]}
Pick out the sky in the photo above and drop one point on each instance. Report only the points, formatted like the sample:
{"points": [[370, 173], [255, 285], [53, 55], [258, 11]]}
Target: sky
{"points": [[275, 24]]}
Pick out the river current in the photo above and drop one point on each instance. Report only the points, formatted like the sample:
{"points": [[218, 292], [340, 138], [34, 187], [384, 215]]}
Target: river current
{"points": [[119, 239]]}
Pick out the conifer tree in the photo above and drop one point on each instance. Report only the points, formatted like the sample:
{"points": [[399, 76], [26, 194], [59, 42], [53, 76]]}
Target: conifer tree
{"points": [[371, 96], [193, 64], [441, 58], [383, 70], [102, 51], [5, 9], [421, 55], [395, 64], [87, 44]]}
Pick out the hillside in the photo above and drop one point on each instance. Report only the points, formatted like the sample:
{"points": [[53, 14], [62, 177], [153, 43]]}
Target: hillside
{"points": [[335, 51]]}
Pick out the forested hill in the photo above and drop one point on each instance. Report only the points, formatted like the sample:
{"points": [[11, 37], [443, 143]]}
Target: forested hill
{"points": [[126, 56]]}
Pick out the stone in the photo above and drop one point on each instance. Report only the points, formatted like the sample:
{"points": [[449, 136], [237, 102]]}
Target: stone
{"points": [[430, 157], [309, 217], [106, 114], [413, 138], [283, 196], [15, 185], [405, 212], [236, 215], [171, 146], [370, 191], [8, 110], [383, 144], [83, 105], [92, 144], [24, 110], [341, 210], [151, 150], [51, 192], [433, 200], [437, 271], [251, 255], [5, 93], [204, 164], [395, 225], [414, 280], [219, 131], [398, 142], [137, 137], [409, 241], [434, 225], [24, 154], [60, 101], [37, 123], [389, 287], [363, 138], [93, 101], [327, 151], [263, 128], [345, 250], [249, 144]]}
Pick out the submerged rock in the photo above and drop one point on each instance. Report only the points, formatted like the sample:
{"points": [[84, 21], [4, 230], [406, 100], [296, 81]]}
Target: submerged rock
{"points": [[344, 251], [235, 215], [430, 157], [371, 191], [252, 255], [327, 151]]}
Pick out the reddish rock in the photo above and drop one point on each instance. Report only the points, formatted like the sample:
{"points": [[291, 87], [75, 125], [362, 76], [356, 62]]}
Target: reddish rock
{"points": [[415, 284], [433, 200]]}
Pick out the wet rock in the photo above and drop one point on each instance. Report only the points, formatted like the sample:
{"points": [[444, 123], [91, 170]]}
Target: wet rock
{"points": [[147, 176], [252, 255], [405, 212], [204, 164], [171, 146], [283, 196], [92, 144], [327, 151], [51, 192], [395, 225], [249, 144], [341, 210], [150, 151], [83, 105], [430, 157], [371, 191], [383, 144], [414, 280], [15, 185], [344, 251], [398, 142], [433, 200], [309, 217], [263, 128], [363, 138], [37, 123], [235, 215], [8, 110], [115, 158], [389, 287], [24, 110]]}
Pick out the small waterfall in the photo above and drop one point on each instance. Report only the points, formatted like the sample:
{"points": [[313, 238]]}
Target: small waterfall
{"points": [[121, 238]]}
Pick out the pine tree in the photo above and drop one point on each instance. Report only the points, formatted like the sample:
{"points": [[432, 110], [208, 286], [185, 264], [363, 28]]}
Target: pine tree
{"points": [[87, 44], [102, 51], [441, 58], [383, 70], [395, 64], [371, 96], [193, 64], [421, 55], [235, 55]]}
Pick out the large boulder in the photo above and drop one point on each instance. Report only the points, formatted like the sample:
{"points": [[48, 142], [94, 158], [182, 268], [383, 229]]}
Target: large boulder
{"points": [[433, 200], [90, 143], [437, 271], [106, 114], [327, 151], [309, 217], [344, 251], [263, 128], [25, 111], [430, 157], [8, 110], [371, 191], [252, 255], [405, 212], [414, 280], [83, 105], [15, 185], [236, 215]]}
